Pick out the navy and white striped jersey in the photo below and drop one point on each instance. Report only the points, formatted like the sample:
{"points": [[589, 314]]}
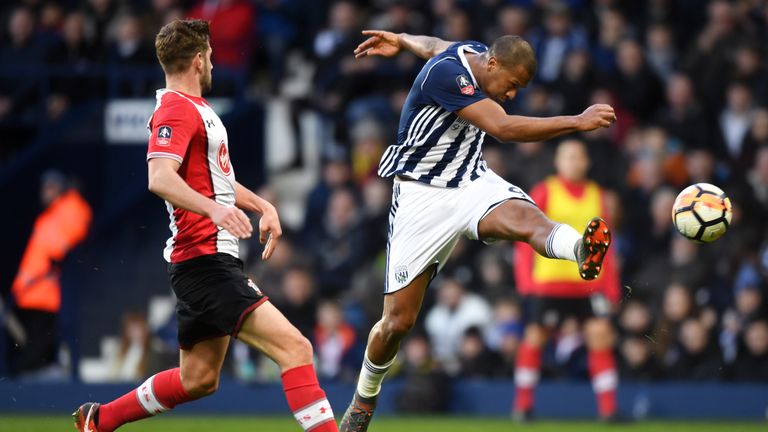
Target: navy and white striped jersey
{"points": [[434, 145]]}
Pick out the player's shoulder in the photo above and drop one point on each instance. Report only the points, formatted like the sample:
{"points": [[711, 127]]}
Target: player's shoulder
{"points": [[177, 100], [451, 61], [472, 46], [171, 103]]}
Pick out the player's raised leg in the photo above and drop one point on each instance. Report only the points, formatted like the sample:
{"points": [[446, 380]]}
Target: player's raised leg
{"points": [[520, 220], [401, 309], [267, 330], [197, 376]]}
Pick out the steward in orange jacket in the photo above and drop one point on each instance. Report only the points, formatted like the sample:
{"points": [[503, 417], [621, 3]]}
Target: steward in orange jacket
{"points": [[36, 288]]}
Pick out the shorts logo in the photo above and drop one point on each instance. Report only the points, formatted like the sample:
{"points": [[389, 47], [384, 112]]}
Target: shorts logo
{"points": [[465, 86], [223, 159], [401, 274], [253, 285], [164, 136]]}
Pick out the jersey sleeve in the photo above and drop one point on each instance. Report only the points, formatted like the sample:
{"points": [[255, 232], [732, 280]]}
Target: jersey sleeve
{"points": [[449, 85], [172, 127]]}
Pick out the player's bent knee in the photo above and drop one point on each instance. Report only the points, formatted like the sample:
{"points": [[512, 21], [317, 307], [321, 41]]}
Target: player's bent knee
{"points": [[395, 328], [202, 385], [296, 351], [303, 349]]}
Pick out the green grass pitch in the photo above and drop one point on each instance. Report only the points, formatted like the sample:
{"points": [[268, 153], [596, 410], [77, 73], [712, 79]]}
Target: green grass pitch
{"points": [[30, 423]]}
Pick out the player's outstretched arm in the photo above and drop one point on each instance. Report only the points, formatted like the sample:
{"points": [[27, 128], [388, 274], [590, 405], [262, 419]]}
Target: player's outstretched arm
{"points": [[388, 44], [269, 224], [491, 117], [165, 182]]}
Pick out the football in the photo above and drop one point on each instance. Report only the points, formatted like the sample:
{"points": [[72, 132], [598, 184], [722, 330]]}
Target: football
{"points": [[702, 212]]}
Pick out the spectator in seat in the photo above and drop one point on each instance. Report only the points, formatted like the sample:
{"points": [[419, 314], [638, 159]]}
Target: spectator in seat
{"points": [[660, 51], [232, 31], [426, 388], [334, 339], [752, 362], [756, 138], [636, 319], [339, 248], [454, 313], [129, 47], [297, 300], [74, 52], [555, 40], [475, 359], [635, 83], [22, 50], [132, 360], [682, 116], [735, 120], [695, 357], [677, 306], [637, 360], [336, 174], [758, 178]]}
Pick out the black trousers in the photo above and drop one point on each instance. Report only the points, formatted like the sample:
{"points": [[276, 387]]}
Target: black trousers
{"points": [[42, 341]]}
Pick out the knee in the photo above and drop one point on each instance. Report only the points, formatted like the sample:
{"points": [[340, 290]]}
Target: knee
{"points": [[200, 385], [396, 327], [298, 351], [302, 348]]}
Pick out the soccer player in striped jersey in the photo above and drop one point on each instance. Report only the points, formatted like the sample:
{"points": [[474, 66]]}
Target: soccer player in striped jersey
{"points": [[443, 188], [189, 167]]}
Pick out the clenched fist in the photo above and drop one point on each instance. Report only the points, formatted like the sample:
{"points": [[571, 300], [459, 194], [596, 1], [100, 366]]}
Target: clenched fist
{"points": [[596, 116]]}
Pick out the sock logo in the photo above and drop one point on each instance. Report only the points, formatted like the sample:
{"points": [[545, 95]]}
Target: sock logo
{"points": [[314, 414], [146, 396]]}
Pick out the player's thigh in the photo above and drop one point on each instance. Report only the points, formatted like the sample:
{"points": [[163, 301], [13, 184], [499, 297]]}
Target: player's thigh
{"points": [[515, 220], [402, 307], [200, 366], [425, 225], [269, 331]]}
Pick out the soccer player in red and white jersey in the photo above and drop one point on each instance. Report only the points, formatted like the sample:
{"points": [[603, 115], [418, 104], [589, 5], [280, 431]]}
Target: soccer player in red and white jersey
{"points": [[189, 168]]}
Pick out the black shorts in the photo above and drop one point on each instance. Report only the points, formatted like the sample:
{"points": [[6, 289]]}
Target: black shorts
{"points": [[213, 297], [552, 311]]}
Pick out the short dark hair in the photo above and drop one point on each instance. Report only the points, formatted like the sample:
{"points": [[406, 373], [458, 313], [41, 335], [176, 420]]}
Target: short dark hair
{"points": [[514, 51], [179, 41]]}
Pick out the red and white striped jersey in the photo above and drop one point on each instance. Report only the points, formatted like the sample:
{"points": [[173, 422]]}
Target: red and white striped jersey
{"points": [[186, 129]]}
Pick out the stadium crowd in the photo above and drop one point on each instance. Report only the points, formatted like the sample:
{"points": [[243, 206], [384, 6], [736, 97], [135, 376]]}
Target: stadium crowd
{"points": [[688, 79]]}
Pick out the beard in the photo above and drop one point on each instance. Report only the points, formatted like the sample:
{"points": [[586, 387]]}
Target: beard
{"points": [[206, 82]]}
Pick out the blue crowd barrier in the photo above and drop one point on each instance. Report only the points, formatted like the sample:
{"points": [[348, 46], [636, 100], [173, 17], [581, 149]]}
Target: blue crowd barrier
{"points": [[555, 400]]}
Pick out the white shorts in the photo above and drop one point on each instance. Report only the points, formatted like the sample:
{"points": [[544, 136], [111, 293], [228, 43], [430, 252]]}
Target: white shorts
{"points": [[425, 222]]}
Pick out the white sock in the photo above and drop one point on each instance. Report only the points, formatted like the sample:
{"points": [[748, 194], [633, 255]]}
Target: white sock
{"points": [[561, 242], [371, 375]]}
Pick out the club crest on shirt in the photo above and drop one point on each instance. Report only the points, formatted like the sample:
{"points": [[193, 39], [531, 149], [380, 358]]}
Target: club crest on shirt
{"points": [[223, 159], [465, 85], [164, 136], [401, 274]]}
